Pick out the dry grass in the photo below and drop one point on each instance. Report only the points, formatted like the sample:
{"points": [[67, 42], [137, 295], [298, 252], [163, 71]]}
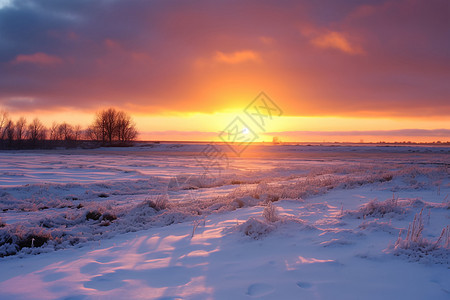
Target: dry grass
{"points": [[418, 248]]}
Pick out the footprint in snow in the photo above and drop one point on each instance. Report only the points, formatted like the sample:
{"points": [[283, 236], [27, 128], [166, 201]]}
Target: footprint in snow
{"points": [[259, 289], [105, 282]]}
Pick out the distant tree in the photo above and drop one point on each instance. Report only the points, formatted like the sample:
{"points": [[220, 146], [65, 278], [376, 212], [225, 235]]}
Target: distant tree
{"points": [[92, 133], [126, 129], [276, 140], [97, 131], [54, 134], [109, 119], [20, 129], [4, 119], [77, 132], [65, 132], [10, 131], [36, 132], [111, 126]]}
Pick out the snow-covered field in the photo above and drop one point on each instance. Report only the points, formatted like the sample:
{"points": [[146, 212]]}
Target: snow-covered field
{"points": [[281, 222]]}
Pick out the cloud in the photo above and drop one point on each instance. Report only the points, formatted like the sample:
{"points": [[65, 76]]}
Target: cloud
{"points": [[237, 57], [445, 133], [144, 55], [37, 58], [336, 40]]}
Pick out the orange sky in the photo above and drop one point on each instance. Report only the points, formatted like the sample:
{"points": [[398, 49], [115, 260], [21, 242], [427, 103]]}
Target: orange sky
{"points": [[339, 70]]}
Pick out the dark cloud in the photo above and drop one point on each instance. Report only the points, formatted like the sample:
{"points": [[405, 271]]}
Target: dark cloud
{"points": [[444, 133], [384, 58]]}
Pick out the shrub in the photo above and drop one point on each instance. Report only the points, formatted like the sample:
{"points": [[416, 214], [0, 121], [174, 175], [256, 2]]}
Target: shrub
{"points": [[377, 209], [273, 198], [237, 182], [15, 238], [386, 177], [109, 216], [158, 202], [140, 214], [93, 215], [33, 240], [270, 213], [255, 228]]}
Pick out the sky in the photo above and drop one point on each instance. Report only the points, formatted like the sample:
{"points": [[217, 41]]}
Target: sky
{"points": [[338, 70]]}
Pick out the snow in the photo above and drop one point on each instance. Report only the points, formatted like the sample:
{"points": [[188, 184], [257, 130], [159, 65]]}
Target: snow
{"points": [[282, 222]]}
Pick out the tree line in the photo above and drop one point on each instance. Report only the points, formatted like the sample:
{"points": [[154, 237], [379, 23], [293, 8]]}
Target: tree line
{"points": [[110, 127]]}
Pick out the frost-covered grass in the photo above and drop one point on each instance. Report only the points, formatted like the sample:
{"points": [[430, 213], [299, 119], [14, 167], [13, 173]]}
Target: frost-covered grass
{"points": [[259, 227], [72, 213], [379, 209], [270, 213], [256, 228], [416, 247], [277, 227]]}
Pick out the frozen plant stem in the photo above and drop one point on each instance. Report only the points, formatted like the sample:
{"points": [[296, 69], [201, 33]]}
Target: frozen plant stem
{"points": [[270, 213]]}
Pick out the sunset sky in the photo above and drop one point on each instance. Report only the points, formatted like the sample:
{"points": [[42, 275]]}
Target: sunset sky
{"points": [[339, 70]]}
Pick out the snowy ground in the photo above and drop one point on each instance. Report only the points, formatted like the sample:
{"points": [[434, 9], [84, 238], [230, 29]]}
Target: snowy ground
{"points": [[282, 222]]}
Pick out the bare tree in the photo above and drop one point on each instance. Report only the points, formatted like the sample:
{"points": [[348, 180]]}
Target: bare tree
{"points": [[112, 126], [65, 132], [109, 117], [36, 132], [54, 132], [92, 133], [126, 129], [20, 129], [4, 119], [10, 131], [97, 131], [77, 132]]}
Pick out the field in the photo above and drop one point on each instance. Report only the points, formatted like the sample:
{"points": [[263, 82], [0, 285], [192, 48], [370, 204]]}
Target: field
{"points": [[279, 222]]}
